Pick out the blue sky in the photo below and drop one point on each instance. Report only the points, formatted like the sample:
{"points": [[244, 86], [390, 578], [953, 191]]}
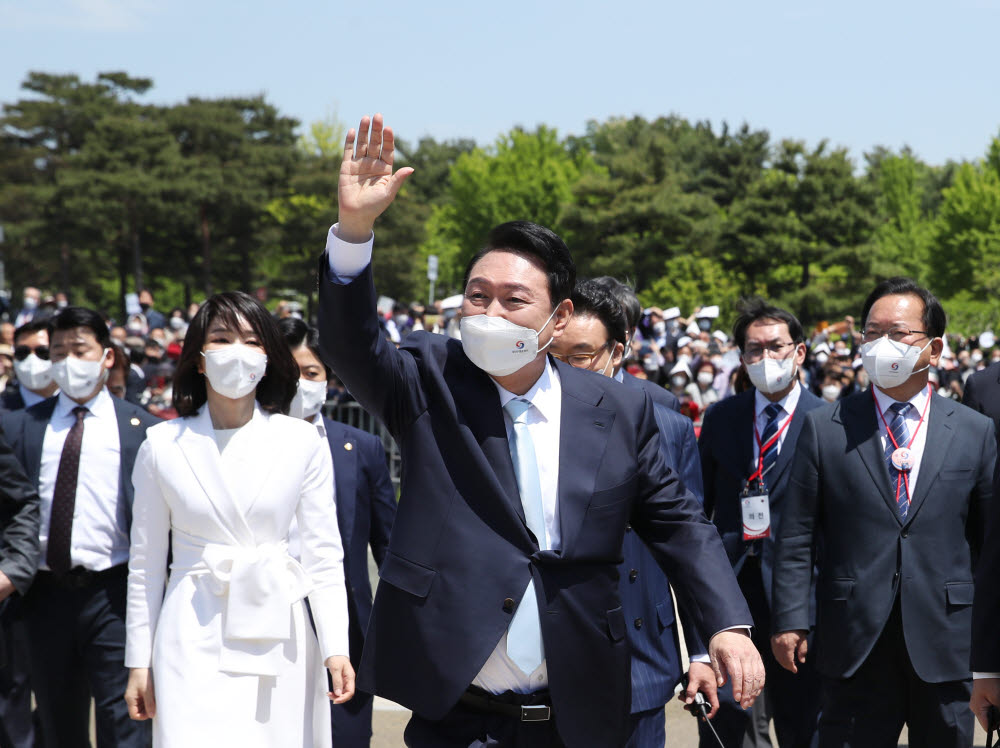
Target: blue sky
{"points": [[926, 74]]}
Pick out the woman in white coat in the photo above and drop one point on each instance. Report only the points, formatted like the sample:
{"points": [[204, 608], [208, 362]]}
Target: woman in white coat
{"points": [[226, 654]]}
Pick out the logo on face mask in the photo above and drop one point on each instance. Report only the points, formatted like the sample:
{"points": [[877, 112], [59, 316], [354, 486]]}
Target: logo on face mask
{"points": [[894, 367], [519, 345]]}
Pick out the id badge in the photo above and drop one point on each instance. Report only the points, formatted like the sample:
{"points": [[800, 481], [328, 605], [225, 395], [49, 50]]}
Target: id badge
{"points": [[756, 517]]}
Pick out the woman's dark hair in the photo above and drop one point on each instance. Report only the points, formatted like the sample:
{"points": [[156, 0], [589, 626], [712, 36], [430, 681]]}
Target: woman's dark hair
{"points": [[77, 316], [532, 240], [933, 318], [755, 310], [298, 333], [276, 389]]}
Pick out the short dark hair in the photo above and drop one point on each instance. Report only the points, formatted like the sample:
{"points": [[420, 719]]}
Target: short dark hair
{"points": [[593, 298], [298, 333], [933, 319], [538, 242], [276, 389], [30, 328], [625, 296], [756, 309], [77, 316]]}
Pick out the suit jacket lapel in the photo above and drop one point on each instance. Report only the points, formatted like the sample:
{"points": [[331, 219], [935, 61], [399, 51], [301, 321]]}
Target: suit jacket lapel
{"points": [[936, 445], [197, 443], [583, 429], [861, 420], [787, 449], [740, 457], [260, 458], [345, 475]]}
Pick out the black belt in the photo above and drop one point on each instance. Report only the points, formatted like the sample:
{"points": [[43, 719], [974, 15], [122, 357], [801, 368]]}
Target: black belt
{"points": [[78, 577], [509, 704]]}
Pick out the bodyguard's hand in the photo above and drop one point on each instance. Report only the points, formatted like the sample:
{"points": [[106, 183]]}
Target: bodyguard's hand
{"points": [[342, 675], [6, 587], [734, 658], [139, 694], [367, 185], [701, 677], [985, 693], [789, 647]]}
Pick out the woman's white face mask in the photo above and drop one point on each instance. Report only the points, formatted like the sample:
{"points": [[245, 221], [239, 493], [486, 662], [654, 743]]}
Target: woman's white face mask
{"points": [[234, 370], [309, 399]]}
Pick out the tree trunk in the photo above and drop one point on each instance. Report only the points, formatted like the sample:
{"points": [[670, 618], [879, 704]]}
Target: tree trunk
{"points": [[137, 259], [64, 264], [206, 252], [245, 275], [123, 273]]}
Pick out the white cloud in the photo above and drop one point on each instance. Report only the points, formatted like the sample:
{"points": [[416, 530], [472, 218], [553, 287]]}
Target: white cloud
{"points": [[112, 16]]}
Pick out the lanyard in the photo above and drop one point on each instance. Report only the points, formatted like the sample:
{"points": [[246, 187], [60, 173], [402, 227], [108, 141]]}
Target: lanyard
{"points": [[888, 431], [762, 448]]}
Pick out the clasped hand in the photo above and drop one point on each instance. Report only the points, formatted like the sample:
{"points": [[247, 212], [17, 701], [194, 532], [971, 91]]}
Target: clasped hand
{"points": [[735, 659]]}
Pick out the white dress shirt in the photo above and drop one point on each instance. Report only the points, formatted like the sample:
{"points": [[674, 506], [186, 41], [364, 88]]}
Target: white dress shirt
{"points": [[100, 537], [920, 404], [31, 398], [788, 404]]}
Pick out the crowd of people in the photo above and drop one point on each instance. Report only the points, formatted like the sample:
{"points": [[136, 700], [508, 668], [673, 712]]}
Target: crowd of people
{"points": [[185, 535]]}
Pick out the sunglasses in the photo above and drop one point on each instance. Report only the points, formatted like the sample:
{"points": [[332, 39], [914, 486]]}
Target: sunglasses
{"points": [[21, 352]]}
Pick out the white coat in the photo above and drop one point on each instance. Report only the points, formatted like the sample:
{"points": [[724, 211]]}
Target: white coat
{"points": [[234, 660]]}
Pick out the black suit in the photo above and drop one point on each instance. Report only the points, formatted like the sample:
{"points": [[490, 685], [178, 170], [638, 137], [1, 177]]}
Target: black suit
{"points": [[656, 393], [894, 596], [461, 554], [982, 392], [11, 399], [366, 506], [77, 621], [726, 446], [19, 520]]}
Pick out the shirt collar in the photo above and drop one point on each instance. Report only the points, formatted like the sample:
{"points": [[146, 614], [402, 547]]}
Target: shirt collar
{"points": [[100, 404], [789, 402], [317, 421], [918, 401], [30, 398], [544, 393], [619, 375]]}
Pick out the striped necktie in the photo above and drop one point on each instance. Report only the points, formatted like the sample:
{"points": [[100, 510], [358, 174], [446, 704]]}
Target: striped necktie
{"points": [[770, 453], [901, 435]]}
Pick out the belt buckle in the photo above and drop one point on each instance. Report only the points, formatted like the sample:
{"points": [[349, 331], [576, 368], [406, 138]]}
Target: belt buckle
{"points": [[536, 713]]}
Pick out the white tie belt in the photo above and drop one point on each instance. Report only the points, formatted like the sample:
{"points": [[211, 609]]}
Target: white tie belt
{"points": [[260, 585]]}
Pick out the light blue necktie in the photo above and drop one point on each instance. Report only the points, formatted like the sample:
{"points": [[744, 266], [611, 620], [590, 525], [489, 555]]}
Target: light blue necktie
{"points": [[524, 635]]}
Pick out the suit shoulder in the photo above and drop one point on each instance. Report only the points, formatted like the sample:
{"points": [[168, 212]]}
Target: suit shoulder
{"points": [[136, 413], [991, 374], [970, 416]]}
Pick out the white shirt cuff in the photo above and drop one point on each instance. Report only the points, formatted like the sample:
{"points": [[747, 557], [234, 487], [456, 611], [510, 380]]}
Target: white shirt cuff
{"points": [[347, 260], [983, 676], [702, 658]]}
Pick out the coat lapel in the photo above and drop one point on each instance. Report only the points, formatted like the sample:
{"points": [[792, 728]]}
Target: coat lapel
{"points": [[740, 449], [791, 437], [861, 420], [197, 443], [260, 457], [936, 445], [344, 449]]}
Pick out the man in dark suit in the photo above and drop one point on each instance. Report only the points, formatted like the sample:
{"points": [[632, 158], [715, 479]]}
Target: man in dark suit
{"points": [[79, 449], [594, 339], [31, 368], [746, 444], [889, 490], [498, 616], [982, 392]]}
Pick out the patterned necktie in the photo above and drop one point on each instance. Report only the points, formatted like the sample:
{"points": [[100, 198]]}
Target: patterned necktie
{"points": [[524, 635], [901, 434], [770, 454], [64, 497]]}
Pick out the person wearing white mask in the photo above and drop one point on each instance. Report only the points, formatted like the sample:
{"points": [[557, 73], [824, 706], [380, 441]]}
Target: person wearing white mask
{"points": [[747, 443], [32, 369], [227, 654], [365, 506], [79, 446], [702, 390], [29, 306], [886, 514]]}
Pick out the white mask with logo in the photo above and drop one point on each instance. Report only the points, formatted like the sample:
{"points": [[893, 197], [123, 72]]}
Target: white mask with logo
{"points": [[309, 398], [500, 347], [890, 364], [235, 370], [77, 377], [771, 375], [33, 372]]}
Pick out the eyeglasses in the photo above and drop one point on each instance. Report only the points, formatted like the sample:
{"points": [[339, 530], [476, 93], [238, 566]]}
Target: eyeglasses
{"points": [[754, 353], [21, 352], [580, 360], [896, 334]]}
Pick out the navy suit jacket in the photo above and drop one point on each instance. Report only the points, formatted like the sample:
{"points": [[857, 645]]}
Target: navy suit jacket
{"points": [[11, 399], [982, 392], [645, 590], [839, 495], [366, 506], [727, 445], [656, 393], [461, 555], [25, 429]]}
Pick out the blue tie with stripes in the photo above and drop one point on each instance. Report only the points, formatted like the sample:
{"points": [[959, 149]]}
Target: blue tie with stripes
{"points": [[770, 454], [901, 435]]}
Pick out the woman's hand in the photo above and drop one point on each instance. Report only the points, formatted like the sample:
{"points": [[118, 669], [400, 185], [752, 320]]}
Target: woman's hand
{"points": [[342, 675], [139, 694]]}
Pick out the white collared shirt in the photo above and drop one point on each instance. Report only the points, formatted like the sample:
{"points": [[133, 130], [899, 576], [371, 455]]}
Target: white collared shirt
{"points": [[919, 403], [788, 405], [31, 398], [100, 537]]}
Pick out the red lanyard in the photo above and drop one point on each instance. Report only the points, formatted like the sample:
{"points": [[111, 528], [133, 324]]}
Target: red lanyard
{"points": [[762, 448], [888, 431]]}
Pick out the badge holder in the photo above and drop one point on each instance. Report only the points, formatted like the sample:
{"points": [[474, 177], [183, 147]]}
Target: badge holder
{"points": [[756, 510]]}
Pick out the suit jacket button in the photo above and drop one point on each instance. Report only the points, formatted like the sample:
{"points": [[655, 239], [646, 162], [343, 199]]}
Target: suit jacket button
{"points": [[508, 605], [628, 528], [906, 533], [638, 623], [633, 575]]}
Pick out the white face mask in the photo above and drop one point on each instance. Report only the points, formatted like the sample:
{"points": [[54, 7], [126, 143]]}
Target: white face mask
{"points": [[821, 358], [177, 324], [236, 370], [34, 373], [309, 398], [79, 378], [831, 392], [890, 364], [705, 378], [500, 347], [678, 380], [771, 375]]}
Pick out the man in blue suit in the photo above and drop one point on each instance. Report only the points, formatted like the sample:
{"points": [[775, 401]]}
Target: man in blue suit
{"points": [[889, 490], [746, 444], [594, 339], [498, 619]]}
